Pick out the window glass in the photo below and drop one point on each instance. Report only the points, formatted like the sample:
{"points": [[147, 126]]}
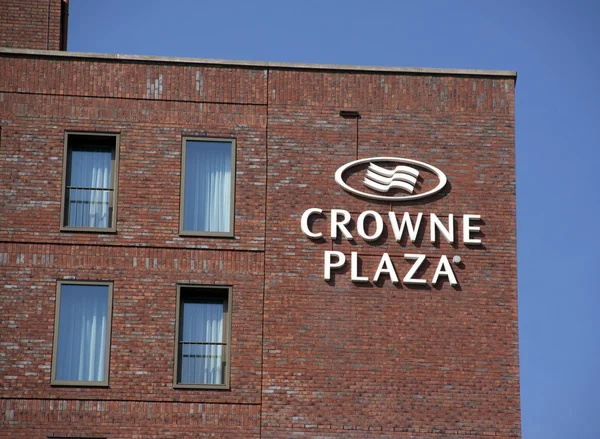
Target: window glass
{"points": [[82, 337], [208, 194], [202, 335], [89, 188]]}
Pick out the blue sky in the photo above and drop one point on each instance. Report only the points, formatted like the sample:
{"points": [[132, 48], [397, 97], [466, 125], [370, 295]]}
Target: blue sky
{"points": [[555, 48]]}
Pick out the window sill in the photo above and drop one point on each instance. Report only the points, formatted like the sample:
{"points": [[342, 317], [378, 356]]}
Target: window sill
{"points": [[79, 384], [202, 386], [89, 230], [226, 235]]}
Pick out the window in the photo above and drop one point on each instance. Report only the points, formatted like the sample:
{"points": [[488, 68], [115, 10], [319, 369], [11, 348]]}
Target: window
{"points": [[207, 192], [82, 333], [90, 182], [203, 336]]}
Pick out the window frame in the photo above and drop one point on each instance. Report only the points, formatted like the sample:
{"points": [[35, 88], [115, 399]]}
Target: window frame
{"points": [[115, 183], [182, 231], [77, 383], [223, 292]]}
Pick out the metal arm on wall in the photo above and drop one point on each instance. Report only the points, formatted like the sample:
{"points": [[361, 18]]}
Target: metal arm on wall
{"points": [[352, 114]]}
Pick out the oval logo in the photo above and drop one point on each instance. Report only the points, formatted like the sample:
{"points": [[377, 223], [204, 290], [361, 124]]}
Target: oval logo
{"points": [[389, 178]]}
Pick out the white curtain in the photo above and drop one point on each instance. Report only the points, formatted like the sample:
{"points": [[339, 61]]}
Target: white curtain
{"points": [[83, 314], [90, 177], [207, 195], [202, 362]]}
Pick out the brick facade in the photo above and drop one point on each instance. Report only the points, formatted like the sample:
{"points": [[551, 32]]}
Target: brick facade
{"points": [[34, 24], [309, 358]]}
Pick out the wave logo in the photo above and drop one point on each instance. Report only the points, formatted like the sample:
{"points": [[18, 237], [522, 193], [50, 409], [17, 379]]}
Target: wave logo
{"points": [[384, 174], [382, 180]]}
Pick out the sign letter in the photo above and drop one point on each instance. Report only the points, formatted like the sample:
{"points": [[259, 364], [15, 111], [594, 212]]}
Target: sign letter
{"points": [[413, 230], [444, 269], [468, 228], [386, 266], [354, 277], [409, 279], [360, 225], [329, 264], [437, 224], [304, 223], [335, 223]]}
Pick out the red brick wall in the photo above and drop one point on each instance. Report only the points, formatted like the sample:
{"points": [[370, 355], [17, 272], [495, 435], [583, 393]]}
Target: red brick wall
{"points": [[309, 358], [122, 98], [363, 360], [31, 24]]}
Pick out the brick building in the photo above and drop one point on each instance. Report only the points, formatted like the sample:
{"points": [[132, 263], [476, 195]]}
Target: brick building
{"points": [[178, 259]]}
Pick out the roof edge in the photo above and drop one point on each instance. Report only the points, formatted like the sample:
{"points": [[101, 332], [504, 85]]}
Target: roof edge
{"points": [[255, 64]]}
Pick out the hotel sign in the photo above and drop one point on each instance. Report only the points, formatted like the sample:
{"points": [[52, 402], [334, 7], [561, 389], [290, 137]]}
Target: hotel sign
{"points": [[397, 180]]}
